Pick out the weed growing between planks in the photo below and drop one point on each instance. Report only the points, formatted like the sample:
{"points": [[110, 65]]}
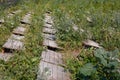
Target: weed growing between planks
{"points": [[24, 64], [103, 28]]}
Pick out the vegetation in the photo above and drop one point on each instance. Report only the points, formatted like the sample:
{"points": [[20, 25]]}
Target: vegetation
{"points": [[98, 20]]}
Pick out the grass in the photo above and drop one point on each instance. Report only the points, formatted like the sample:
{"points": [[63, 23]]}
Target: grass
{"points": [[104, 29]]}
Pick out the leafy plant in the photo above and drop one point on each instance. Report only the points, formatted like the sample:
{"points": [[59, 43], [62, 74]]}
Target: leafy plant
{"points": [[106, 66]]}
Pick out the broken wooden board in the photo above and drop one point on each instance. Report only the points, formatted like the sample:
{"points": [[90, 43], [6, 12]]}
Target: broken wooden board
{"points": [[91, 43], [16, 37], [49, 36], [49, 71], [48, 26], [19, 31], [49, 31], [5, 56], [13, 44], [50, 43], [52, 57], [26, 19]]}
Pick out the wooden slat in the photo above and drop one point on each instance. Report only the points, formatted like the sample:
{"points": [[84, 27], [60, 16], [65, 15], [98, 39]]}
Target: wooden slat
{"points": [[49, 21], [49, 36], [19, 30], [52, 57], [26, 19], [9, 15], [15, 12], [50, 43], [16, 37], [2, 21], [5, 56], [49, 71], [48, 26], [49, 31], [13, 44]]}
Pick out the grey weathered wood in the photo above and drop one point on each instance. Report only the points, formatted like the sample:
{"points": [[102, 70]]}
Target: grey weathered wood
{"points": [[49, 21], [17, 11], [50, 43], [19, 30], [49, 36], [52, 57], [49, 71], [2, 21], [26, 19], [16, 37], [13, 44], [5, 56], [10, 15], [75, 27], [91, 43], [48, 25], [49, 31]]}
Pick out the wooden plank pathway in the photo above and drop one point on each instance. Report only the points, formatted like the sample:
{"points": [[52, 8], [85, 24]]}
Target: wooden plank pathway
{"points": [[50, 65], [15, 41]]}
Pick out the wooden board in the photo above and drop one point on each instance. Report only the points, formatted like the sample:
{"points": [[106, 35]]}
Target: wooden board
{"points": [[50, 43], [52, 57], [75, 27], [9, 15], [2, 21], [16, 37], [26, 19], [49, 31], [48, 26], [15, 12], [5, 56], [49, 71], [13, 44], [19, 30], [49, 36]]}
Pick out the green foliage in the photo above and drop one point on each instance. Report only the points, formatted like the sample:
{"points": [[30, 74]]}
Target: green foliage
{"points": [[105, 67]]}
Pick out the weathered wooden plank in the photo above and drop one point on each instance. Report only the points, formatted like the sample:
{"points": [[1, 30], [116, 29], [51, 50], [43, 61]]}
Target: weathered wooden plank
{"points": [[52, 57], [5, 56], [17, 11], [2, 21], [50, 43], [75, 27], [49, 71], [49, 36], [13, 44], [48, 26], [10, 15], [49, 21], [91, 43], [19, 30], [49, 31], [26, 19], [16, 37]]}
